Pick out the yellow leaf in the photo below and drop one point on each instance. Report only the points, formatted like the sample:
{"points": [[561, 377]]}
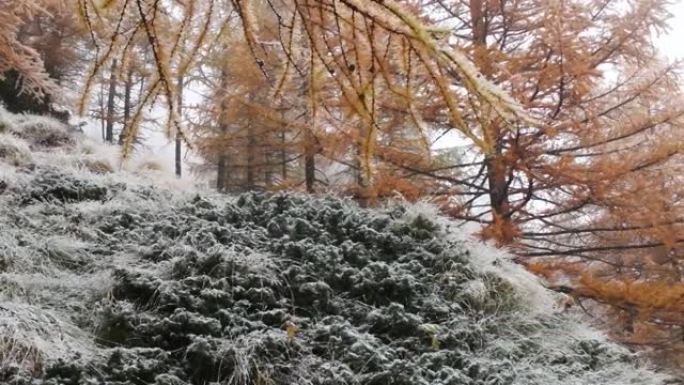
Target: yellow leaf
{"points": [[435, 342], [291, 330]]}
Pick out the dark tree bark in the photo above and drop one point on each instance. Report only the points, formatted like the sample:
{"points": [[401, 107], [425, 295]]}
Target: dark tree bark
{"points": [[109, 128], [310, 162], [128, 88], [222, 168], [221, 172], [179, 144], [497, 178], [251, 149], [283, 155]]}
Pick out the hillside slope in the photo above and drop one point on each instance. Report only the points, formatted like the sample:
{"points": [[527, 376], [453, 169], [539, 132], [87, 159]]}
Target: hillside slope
{"points": [[107, 279]]}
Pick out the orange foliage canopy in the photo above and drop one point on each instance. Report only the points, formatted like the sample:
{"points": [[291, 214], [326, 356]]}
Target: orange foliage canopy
{"points": [[17, 56]]}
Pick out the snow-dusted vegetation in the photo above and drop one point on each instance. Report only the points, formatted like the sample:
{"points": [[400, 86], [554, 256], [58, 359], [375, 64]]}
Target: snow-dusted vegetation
{"points": [[107, 279]]}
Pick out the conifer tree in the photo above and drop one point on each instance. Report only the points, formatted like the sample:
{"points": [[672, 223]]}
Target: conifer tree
{"points": [[38, 54], [16, 55]]}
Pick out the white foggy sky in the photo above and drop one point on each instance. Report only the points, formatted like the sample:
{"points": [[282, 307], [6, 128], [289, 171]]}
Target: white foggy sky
{"points": [[672, 44]]}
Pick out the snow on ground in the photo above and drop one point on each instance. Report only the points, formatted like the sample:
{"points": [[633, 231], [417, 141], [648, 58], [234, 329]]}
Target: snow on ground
{"points": [[123, 275]]}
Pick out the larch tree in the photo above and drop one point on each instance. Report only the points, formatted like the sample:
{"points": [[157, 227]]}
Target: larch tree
{"points": [[592, 194], [18, 56], [240, 128], [40, 54], [231, 133]]}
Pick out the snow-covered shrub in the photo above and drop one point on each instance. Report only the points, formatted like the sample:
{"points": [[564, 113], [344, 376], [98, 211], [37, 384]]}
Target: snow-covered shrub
{"points": [[29, 335], [51, 185], [16, 357], [14, 151], [105, 279], [244, 291], [95, 165], [42, 131], [7, 119], [91, 156], [149, 165], [5, 122]]}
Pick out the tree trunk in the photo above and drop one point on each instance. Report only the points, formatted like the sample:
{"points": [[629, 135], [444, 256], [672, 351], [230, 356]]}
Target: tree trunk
{"points": [[495, 162], [221, 173], [102, 112], [222, 164], [268, 169], [251, 148], [498, 186], [109, 129], [179, 144], [128, 88], [310, 162], [364, 153], [283, 155]]}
